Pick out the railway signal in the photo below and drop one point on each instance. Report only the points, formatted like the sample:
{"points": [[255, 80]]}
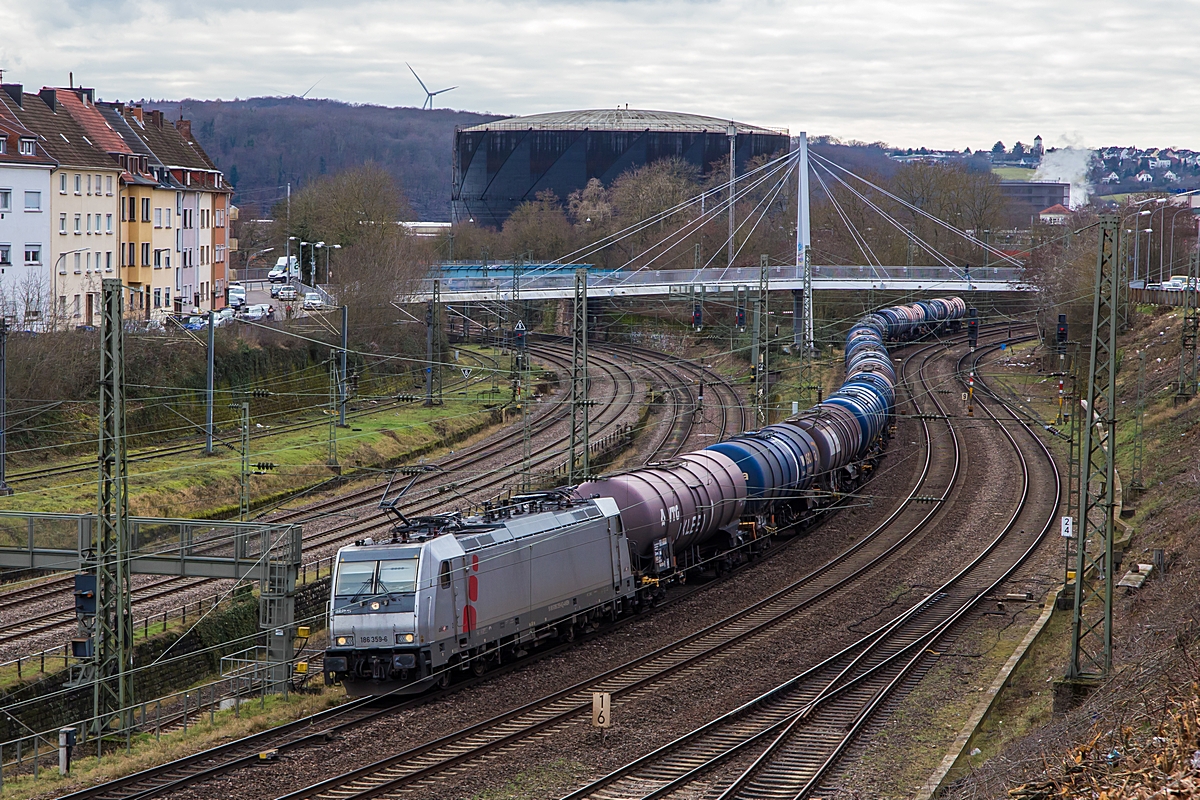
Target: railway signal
{"points": [[1060, 334], [972, 329]]}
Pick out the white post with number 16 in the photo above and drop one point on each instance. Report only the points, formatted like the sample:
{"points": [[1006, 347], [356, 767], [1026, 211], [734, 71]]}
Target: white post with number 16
{"points": [[601, 710]]}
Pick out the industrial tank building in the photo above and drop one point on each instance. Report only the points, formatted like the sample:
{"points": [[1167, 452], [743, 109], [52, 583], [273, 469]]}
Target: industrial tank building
{"points": [[501, 164]]}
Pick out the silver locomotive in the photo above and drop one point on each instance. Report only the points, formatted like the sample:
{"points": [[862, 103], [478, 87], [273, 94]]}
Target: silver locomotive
{"points": [[461, 593]]}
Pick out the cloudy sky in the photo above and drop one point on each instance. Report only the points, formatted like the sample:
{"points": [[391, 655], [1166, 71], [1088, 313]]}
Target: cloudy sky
{"points": [[940, 73]]}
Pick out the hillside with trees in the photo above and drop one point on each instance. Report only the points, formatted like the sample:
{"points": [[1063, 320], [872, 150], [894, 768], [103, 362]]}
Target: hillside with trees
{"points": [[263, 143]]}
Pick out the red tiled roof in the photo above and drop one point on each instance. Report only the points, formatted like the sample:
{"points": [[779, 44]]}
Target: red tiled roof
{"points": [[1057, 208], [91, 120]]}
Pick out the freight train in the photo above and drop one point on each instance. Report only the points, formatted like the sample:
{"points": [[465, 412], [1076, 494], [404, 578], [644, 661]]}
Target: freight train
{"points": [[455, 593]]}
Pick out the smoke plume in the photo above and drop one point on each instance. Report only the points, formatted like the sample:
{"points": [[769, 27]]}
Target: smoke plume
{"points": [[1068, 165]]}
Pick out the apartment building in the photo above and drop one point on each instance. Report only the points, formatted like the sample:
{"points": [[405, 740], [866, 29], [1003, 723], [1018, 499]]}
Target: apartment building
{"points": [[136, 183], [201, 206], [157, 221], [83, 210], [25, 169]]}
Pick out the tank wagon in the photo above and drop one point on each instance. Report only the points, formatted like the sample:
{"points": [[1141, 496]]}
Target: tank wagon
{"points": [[462, 593]]}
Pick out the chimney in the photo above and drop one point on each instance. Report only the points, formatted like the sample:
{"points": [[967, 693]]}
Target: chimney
{"points": [[156, 117], [50, 97], [184, 126], [137, 112], [14, 90], [88, 96]]}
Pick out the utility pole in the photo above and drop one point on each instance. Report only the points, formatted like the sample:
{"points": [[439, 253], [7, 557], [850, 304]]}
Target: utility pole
{"points": [[112, 627], [5, 489], [760, 351], [331, 457], [579, 469], [433, 345], [244, 494], [1070, 416], [1191, 327], [208, 410], [1091, 626], [731, 132], [342, 374]]}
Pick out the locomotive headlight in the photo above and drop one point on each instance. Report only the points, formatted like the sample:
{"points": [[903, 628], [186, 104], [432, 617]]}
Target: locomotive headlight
{"points": [[374, 605], [404, 638], [344, 641]]}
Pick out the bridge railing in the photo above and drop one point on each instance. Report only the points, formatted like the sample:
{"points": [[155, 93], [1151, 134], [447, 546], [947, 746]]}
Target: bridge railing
{"points": [[726, 278]]}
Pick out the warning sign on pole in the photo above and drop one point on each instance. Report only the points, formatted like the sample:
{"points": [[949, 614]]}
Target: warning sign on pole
{"points": [[601, 710], [466, 371], [520, 325], [1068, 527]]}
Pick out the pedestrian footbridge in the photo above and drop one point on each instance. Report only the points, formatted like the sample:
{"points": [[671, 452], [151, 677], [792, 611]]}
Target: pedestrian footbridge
{"points": [[549, 284]]}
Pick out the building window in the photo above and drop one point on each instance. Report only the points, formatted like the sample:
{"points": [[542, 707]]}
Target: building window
{"points": [[168, 217], [167, 297], [132, 254], [5, 200], [5, 255], [88, 264], [178, 203], [97, 261], [97, 184], [89, 185], [3, 145], [158, 259], [76, 305], [158, 298], [108, 185], [33, 201], [97, 224], [88, 228], [108, 223], [28, 147], [145, 209], [33, 254], [62, 183], [158, 217], [220, 218], [108, 260], [145, 254], [78, 219], [78, 183], [78, 264], [62, 223], [133, 209]]}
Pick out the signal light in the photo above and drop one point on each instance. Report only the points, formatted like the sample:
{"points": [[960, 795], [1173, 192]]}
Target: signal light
{"points": [[697, 316]]}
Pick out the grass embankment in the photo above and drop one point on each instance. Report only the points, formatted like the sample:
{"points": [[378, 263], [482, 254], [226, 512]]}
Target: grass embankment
{"points": [[194, 485], [1134, 734], [254, 715]]}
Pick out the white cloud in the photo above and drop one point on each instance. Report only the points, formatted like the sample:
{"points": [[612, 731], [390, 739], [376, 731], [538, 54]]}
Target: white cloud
{"points": [[921, 72]]}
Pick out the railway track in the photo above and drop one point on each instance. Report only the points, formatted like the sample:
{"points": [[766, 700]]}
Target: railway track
{"points": [[787, 741], [320, 727], [178, 448], [424, 770], [429, 495]]}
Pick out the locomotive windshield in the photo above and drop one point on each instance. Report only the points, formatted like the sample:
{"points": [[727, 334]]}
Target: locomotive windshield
{"points": [[356, 579]]}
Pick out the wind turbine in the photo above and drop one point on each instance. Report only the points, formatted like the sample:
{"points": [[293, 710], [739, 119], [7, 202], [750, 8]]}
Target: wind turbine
{"points": [[428, 104]]}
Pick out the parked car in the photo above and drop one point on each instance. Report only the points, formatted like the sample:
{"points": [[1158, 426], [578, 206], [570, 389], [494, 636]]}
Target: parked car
{"points": [[259, 312], [195, 323], [236, 295], [312, 301], [287, 293], [223, 317], [275, 287]]}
